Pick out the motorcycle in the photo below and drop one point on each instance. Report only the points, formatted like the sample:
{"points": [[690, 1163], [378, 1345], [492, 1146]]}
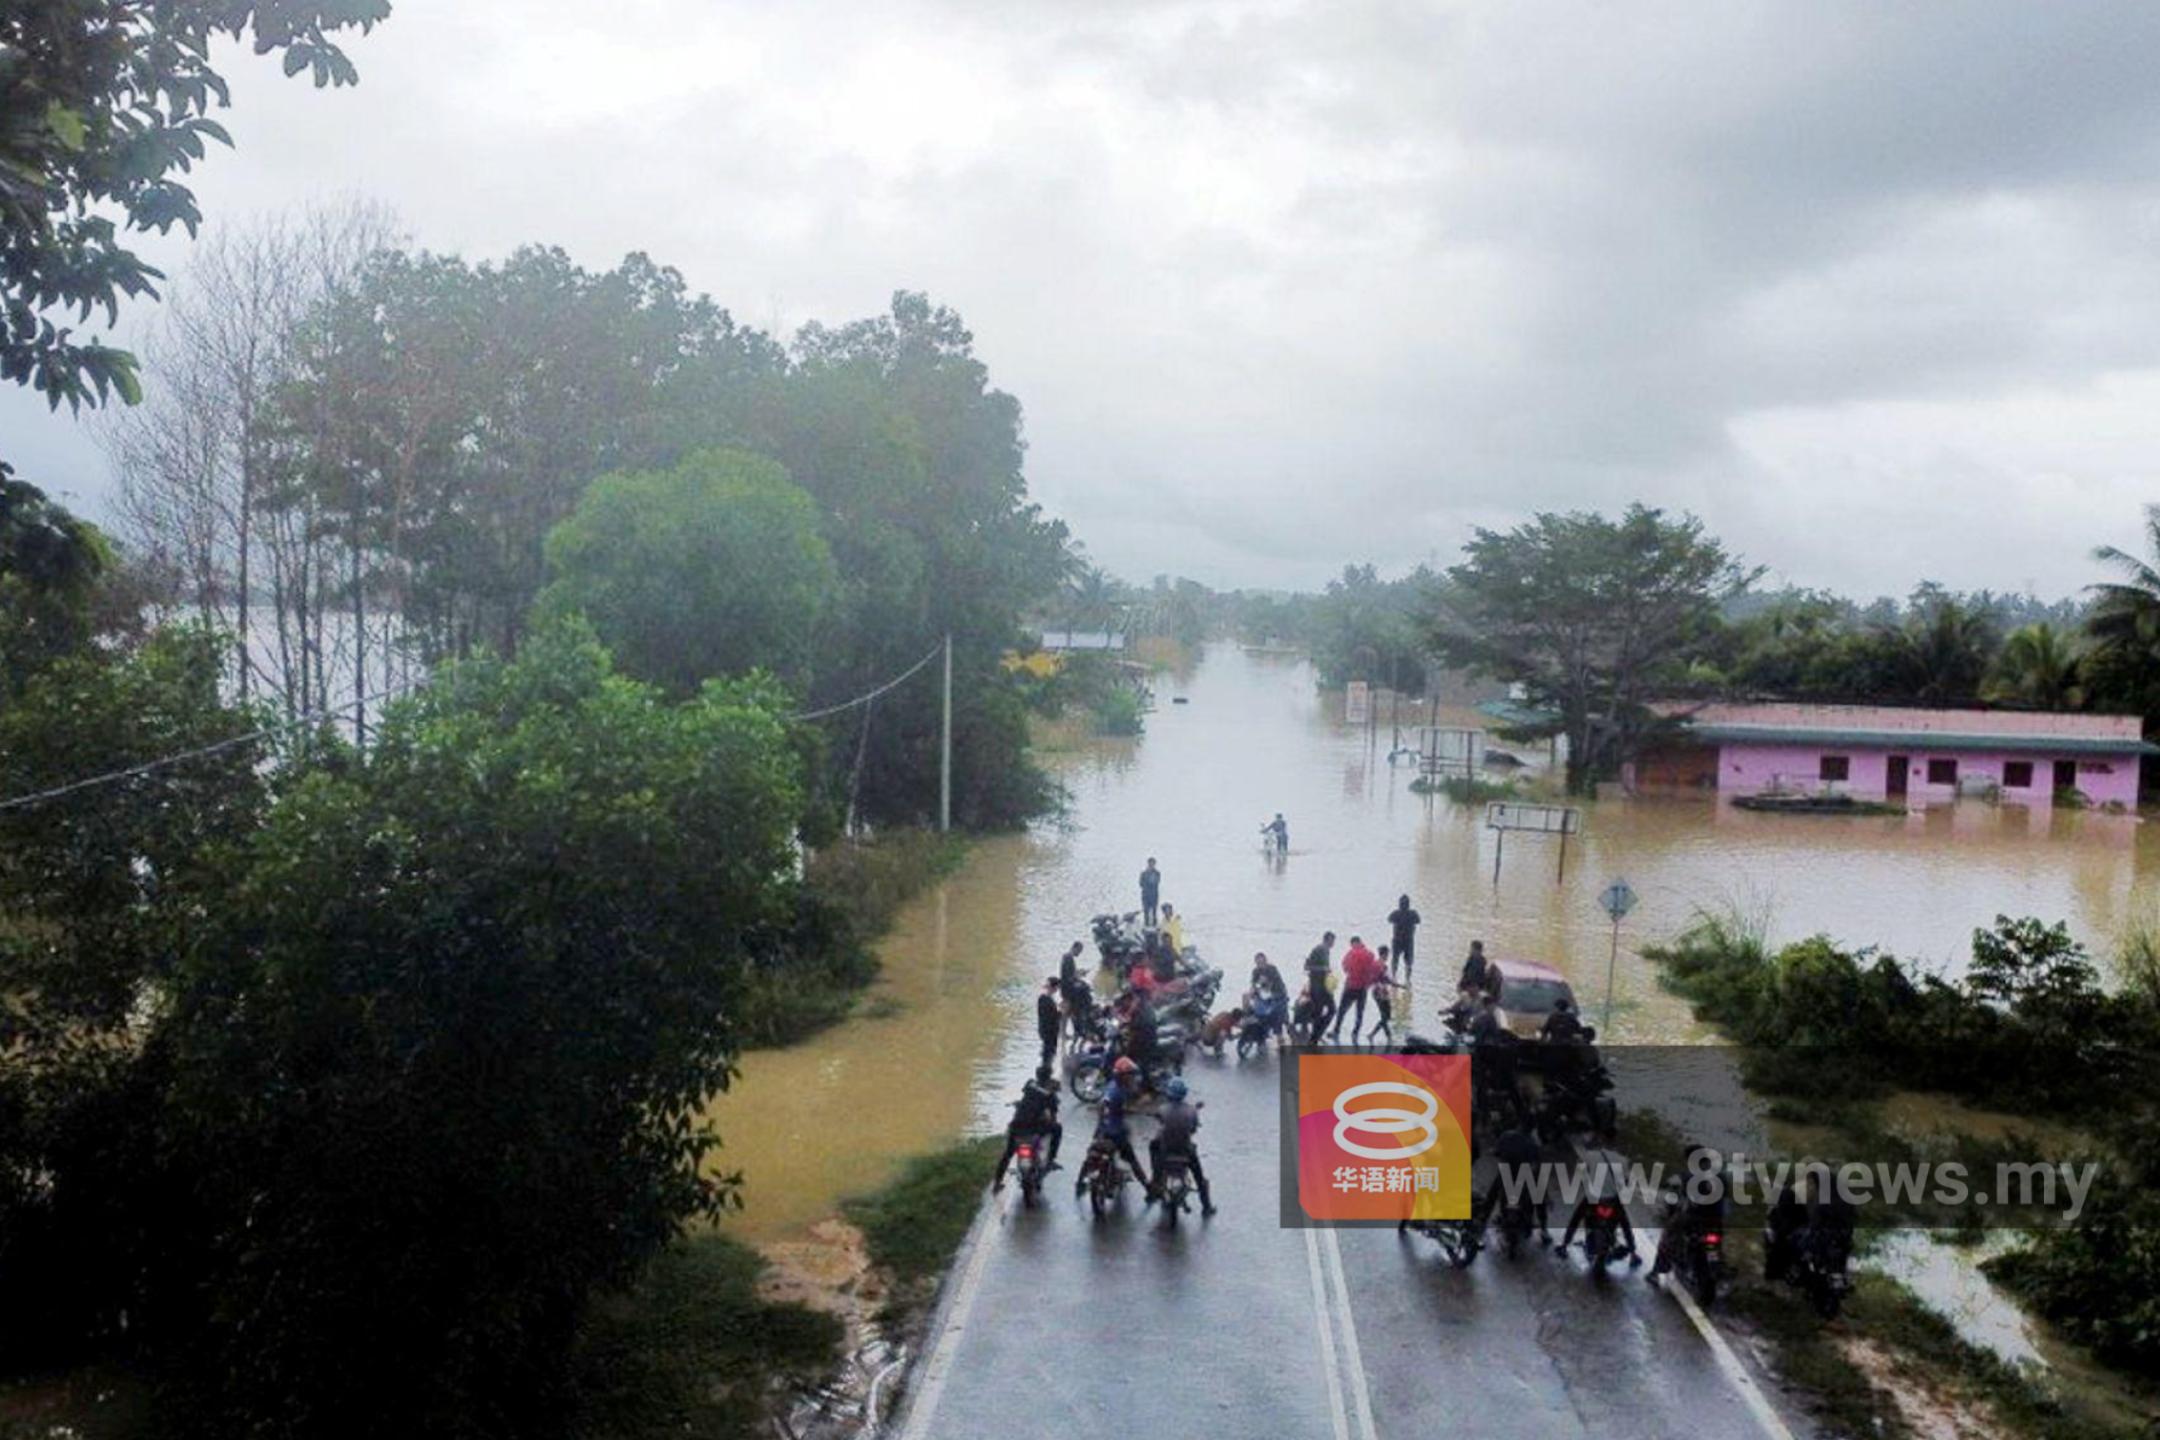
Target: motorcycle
{"points": [[1701, 1266], [1263, 1019], [1091, 1073], [1028, 1159], [1813, 1263], [1459, 1240], [1102, 1177], [1173, 1187], [1601, 1236], [1515, 1223], [1576, 1097]]}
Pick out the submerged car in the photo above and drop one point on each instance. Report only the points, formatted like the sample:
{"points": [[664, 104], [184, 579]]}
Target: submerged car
{"points": [[1528, 992]]}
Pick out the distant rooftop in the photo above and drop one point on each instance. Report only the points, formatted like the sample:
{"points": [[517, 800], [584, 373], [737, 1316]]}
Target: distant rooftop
{"points": [[1800, 723], [1062, 640]]}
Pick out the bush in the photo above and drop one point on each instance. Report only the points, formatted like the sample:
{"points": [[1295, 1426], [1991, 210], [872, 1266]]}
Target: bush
{"points": [[1119, 712], [691, 1349], [915, 1223]]}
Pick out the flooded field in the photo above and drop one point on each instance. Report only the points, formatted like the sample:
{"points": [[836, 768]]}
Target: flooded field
{"points": [[948, 1031]]}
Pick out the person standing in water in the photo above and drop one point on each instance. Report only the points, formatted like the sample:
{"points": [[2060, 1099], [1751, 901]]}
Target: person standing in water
{"points": [[1403, 922], [1150, 891]]}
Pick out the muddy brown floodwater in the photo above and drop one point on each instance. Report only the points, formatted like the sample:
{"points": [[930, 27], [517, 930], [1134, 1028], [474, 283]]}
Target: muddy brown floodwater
{"points": [[947, 1032]]}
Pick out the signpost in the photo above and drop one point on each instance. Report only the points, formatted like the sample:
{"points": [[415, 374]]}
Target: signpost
{"points": [[1502, 816], [1615, 900], [1357, 703]]}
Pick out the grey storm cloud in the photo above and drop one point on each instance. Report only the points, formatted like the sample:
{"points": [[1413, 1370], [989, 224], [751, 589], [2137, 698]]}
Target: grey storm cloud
{"points": [[1870, 288]]}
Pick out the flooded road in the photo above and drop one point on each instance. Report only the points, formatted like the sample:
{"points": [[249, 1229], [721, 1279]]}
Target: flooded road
{"points": [[947, 1032]]}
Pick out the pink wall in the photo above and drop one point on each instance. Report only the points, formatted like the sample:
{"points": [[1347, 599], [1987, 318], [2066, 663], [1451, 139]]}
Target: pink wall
{"points": [[1747, 769], [1793, 715]]}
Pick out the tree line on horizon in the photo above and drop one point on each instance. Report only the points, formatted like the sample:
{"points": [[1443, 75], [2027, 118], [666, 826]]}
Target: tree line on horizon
{"points": [[1595, 617]]}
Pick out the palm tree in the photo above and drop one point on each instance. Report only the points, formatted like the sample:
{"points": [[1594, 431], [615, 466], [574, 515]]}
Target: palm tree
{"points": [[2123, 625], [2038, 666], [1942, 653]]}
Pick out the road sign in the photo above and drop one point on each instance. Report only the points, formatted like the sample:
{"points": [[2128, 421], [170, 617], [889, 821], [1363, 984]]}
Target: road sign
{"points": [[1357, 703], [1617, 899]]}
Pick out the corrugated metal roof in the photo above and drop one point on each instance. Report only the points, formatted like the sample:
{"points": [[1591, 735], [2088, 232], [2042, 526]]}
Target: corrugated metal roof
{"points": [[1918, 740]]}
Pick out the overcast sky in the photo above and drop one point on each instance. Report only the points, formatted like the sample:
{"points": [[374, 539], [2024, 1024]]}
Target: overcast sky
{"points": [[1873, 289]]}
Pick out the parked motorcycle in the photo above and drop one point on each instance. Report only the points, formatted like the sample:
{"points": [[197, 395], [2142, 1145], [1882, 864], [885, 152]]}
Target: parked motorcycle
{"points": [[1515, 1224], [1264, 1018], [1577, 1097], [1459, 1240], [1103, 1177], [1816, 1262], [1091, 1073]]}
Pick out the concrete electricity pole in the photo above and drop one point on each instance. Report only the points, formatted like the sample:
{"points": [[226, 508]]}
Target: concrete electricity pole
{"points": [[945, 762]]}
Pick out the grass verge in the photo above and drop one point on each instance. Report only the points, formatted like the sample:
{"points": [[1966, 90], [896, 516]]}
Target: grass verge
{"points": [[691, 1350], [915, 1222]]}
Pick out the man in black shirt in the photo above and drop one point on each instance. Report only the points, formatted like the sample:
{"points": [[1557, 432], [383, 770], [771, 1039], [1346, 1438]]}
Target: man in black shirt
{"points": [[1319, 965], [1048, 1022], [1150, 891], [1403, 922], [1035, 1114]]}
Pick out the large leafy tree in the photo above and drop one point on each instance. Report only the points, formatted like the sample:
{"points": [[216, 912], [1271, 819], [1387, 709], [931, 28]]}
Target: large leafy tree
{"points": [[714, 567], [102, 104], [435, 1068], [2039, 665], [1591, 616]]}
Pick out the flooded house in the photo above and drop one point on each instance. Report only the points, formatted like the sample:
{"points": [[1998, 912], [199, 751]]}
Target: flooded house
{"points": [[1894, 753]]}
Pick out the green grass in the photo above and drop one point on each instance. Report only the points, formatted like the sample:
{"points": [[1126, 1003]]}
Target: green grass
{"points": [[1927, 1352], [691, 1351], [1467, 789], [914, 1224]]}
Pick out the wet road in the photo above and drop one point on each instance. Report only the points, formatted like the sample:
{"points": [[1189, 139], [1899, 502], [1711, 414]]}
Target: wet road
{"points": [[1057, 1324]]}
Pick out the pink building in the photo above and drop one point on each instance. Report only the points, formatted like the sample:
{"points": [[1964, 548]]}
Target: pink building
{"points": [[1883, 751]]}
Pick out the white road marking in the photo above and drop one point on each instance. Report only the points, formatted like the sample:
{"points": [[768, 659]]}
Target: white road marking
{"points": [[937, 1368], [1758, 1403], [1327, 1337], [1358, 1391]]}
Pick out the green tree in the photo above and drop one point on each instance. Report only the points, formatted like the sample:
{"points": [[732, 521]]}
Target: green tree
{"points": [[714, 567], [2123, 627], [2038, 665], [102, 102], [50, 566], [1591, 616], [436, 1066], [1366, 628], [1942, 651]]}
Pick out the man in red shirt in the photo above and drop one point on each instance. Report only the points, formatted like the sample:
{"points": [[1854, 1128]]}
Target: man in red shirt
{"points": [[1360, 968]]}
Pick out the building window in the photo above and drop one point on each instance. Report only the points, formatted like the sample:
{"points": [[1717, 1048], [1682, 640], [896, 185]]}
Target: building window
{"points": [[1942, 772], [2017, 774], [1836, 767]]}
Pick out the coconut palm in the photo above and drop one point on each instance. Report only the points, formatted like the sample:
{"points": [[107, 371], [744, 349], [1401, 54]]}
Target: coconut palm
{"points": [[1940, 654], [2038, 666], [2123, 625]]}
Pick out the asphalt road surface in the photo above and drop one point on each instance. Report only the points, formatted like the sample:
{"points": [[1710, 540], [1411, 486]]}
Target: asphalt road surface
{"points": [[1056, 1324]]}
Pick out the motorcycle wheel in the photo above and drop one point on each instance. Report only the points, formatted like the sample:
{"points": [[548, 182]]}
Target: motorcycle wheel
{"points": [[1089, 1081], [1098, 1201], [1704, 1284]]}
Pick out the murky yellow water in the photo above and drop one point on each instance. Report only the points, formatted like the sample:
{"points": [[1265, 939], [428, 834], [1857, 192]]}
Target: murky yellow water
{"points": [[948, 1031]]}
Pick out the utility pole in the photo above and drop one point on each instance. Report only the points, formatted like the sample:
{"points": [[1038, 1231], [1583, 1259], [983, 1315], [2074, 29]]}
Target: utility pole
{"points": [[945, 760]]}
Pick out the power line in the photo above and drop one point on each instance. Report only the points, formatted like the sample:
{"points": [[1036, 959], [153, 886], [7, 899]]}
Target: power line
{"points": [[894, 683], [111, 777]]}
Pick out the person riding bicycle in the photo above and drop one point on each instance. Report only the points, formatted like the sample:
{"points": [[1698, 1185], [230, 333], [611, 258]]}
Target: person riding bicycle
{"points": [[1174, 1141], [1112, 1126], [1035, 1115], [1278, 833]]}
